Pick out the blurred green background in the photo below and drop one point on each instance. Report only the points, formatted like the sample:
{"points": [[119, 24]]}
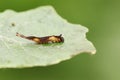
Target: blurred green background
{"points": [[102, 17]]}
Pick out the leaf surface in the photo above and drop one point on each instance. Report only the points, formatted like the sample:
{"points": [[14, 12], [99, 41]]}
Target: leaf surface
{"points": [[43, 21]]}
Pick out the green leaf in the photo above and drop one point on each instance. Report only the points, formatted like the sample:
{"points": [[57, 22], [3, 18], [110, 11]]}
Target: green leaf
{"points": [[17, 52]]}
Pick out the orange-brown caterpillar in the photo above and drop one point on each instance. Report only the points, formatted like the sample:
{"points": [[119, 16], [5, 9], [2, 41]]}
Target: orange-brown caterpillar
{"points": [[43, 40]]}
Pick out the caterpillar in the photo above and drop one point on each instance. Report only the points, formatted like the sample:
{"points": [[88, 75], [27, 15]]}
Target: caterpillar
{"points": [[43, 40]]}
